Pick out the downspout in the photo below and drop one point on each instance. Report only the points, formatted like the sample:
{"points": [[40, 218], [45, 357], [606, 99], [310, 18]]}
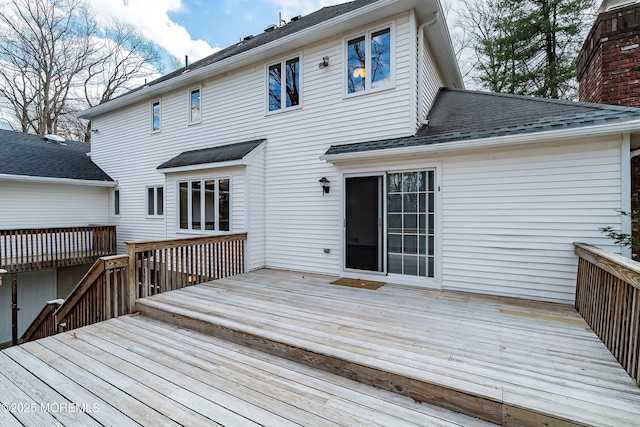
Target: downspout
{"points": [[436, 15]]}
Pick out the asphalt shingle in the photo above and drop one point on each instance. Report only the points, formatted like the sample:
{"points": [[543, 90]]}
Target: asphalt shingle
{"points": [[25, 154], [460, 115], [223, 153]]}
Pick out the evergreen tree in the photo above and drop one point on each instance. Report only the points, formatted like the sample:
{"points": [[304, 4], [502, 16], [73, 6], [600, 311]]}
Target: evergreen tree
{"points": [[529, 47]]}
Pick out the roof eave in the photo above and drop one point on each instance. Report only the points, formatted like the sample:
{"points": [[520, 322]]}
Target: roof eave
{"points": [[485, 143], [62, 181], [337, 25]]}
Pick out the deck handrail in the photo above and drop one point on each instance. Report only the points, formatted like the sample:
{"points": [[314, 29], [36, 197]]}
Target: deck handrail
{"points": [[163, 265], [113, 283], [608, 298], [28, 249], [100, 295], [44, 324]]}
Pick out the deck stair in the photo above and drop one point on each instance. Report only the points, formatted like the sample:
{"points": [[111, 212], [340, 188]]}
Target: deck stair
{"points": [[509, 362]]}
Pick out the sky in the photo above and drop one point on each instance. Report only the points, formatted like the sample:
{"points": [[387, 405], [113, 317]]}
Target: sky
{"points": [[198, 28]]}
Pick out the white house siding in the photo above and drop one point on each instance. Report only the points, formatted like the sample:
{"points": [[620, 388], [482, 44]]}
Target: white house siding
{"points": [[510, 218], [30, 205], [431, 80], [300, 221], [255, 212]]}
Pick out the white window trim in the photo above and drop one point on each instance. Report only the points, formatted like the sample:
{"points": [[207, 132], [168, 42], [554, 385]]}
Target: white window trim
{"points": [[189, 121], [113, 203], [202, 179], [283, 63], [155, 201], [367, 36], [159, 102]]}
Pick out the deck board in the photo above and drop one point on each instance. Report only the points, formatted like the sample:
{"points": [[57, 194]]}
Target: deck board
{"points": [[522, 354], [140, 370]]}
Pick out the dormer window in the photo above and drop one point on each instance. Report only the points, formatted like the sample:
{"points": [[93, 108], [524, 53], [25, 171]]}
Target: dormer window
{"points": [[283, 84], [369, 61]]}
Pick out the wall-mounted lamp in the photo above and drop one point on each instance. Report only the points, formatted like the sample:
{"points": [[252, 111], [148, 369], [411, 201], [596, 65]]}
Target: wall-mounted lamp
{"points": [[94, 130], [324, 183], [324, 63]]}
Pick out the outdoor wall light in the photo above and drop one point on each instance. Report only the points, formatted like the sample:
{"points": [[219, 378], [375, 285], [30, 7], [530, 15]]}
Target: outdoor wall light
{"points": [[324, 63], [324, 183]]}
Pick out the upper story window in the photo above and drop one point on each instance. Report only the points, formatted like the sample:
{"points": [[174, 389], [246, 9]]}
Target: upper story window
{"points": [[369, 61], [155, 116], [284, 84], [155, 201], [204, 204], [194, 106]]}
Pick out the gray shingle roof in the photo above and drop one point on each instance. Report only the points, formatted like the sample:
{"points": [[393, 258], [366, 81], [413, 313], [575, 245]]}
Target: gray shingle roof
{"points": [[25, 154], [223, 153], [459, 115], [317, 17]]}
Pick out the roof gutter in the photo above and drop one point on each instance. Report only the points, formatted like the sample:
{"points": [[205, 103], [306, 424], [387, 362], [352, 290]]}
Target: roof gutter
{"points": [[486, 143], [202, 166], [240, 59], [61, 181]]}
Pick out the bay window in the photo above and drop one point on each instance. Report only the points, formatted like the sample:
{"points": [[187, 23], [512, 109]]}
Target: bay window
{"points": [[204, 204]]}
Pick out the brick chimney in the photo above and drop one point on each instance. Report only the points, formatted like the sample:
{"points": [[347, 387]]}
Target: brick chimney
{"points": [[609, 63]]}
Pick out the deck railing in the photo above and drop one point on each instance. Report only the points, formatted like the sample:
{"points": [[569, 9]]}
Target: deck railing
{"points": [[39, 248], [112, 285], [608, 298], [165, 265]]}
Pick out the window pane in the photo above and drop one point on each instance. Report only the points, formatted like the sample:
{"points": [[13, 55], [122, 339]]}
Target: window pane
{"points": [[395, 223], [410, 223], [210, 204], [160, 201], [410, 202], [410, 245], [275, 87], [381, 58], [184, 205], [195, 106], [410, 265], [395, 203], [156, 116], [223, 204], [116, 202], [195, 205], [395, 264], [395, 243], [410, 182], [293, 82], [357, 70], [150, 202], [394, 183]]}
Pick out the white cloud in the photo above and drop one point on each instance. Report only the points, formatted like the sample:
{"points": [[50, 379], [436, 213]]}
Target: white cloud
{"points": [[151, 19], [290, 8]]}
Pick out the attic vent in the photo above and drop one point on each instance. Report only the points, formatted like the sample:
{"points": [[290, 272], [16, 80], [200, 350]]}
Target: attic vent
{"points": [[270, 28], [249, 37], [54, 138], [295, 18]]}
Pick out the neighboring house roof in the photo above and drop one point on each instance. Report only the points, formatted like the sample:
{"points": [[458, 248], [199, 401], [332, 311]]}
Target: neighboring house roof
{"points": [[300, 31], [464, 115], [28, 155], [223, 153]]}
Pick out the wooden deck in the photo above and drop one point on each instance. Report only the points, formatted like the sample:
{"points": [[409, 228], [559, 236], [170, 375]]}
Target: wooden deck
{"points": [[135, 370], [509, 361]]}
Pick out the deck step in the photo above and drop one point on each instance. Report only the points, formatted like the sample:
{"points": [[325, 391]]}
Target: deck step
{"points": [[195, 308]]}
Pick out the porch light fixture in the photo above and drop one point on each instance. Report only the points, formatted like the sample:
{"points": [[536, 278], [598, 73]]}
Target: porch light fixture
{"points": [[324, 63], [324, 183]]}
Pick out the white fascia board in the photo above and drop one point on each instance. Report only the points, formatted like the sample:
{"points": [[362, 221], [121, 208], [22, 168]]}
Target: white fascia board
{"points": [[486, 143], [360, 16], [63, 181], [442, 47], [203, 166]]}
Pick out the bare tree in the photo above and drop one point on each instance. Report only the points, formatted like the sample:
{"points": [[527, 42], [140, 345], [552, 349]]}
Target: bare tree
{"points": [[44, 46], [122, 60]]}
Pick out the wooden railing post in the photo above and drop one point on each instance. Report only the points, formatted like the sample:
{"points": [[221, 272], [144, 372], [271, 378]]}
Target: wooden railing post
{"points": [[132, 280]]}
